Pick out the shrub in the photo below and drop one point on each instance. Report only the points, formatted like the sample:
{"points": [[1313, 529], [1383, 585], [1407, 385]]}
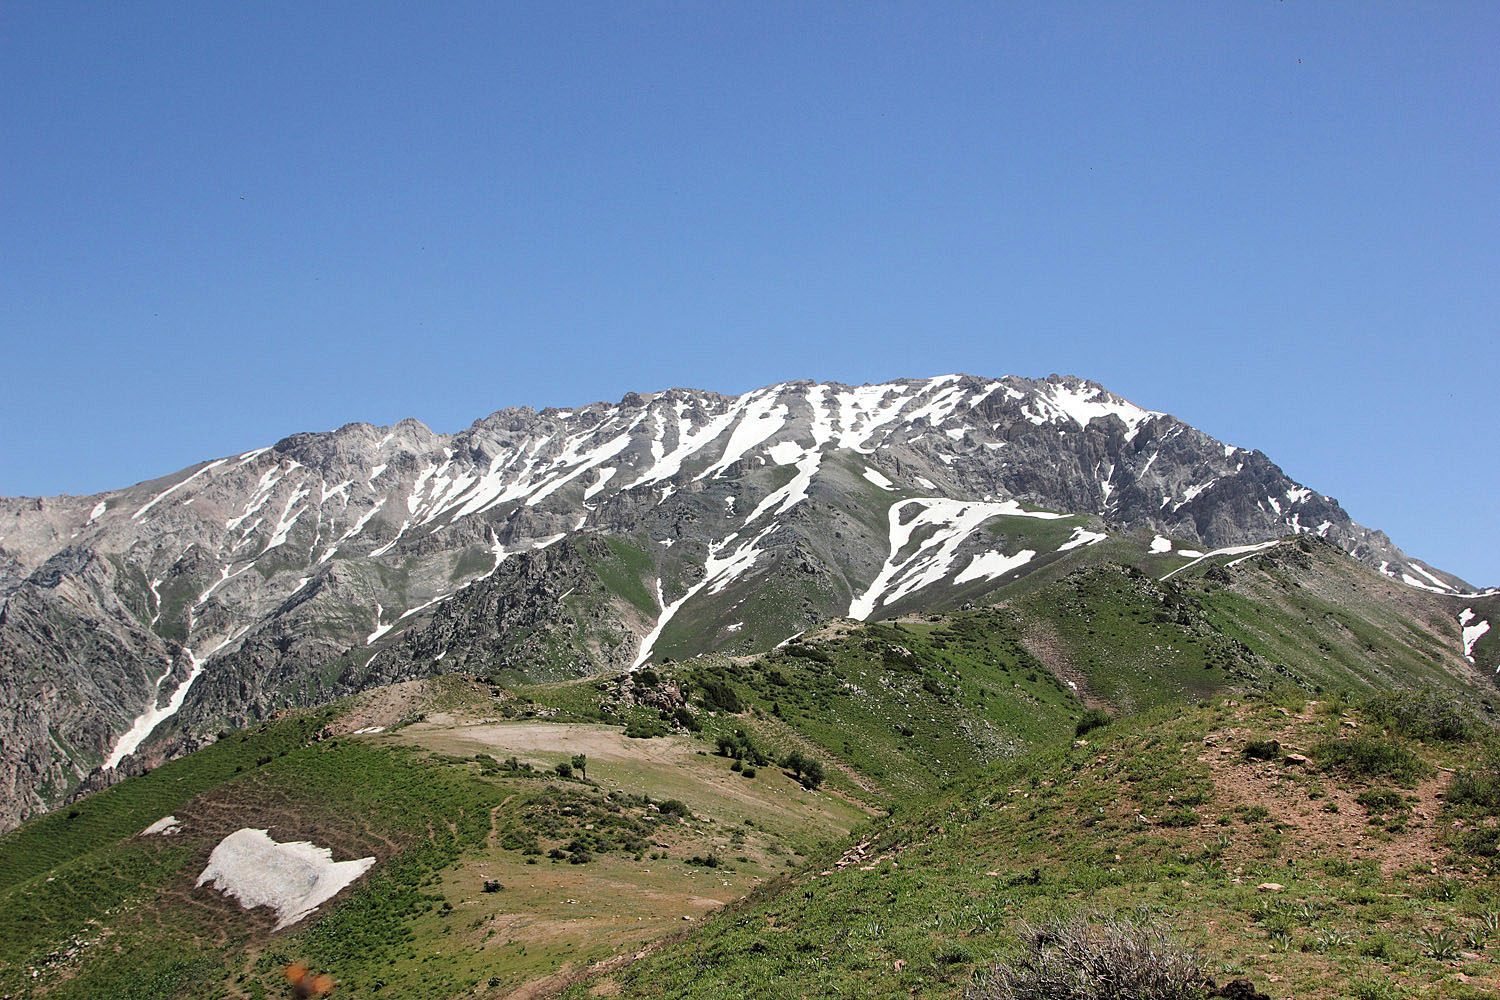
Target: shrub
{"points": [[674, 807], [644, 729], [721, 697], [741, 747], [1382, 800], [1091, 720], [797, 648], [1262, 750], [1421, 715], [1096, 958], [1363, 757], [805, 769], [1477, 788]]}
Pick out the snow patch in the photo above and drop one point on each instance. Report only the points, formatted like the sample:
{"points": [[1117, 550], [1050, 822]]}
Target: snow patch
{"points": [[993, 565], [793, 492], [1160, 544], [878, 479], [1472, 633], [164, 827], [293, 878], [1233, 550], [1083, 405], [718, 573], [173, 489], [604, 476], [1082, 536], [380, 629], [952, 521]]}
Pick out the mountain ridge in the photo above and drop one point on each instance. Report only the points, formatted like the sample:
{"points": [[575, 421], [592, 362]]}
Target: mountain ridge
{"points": [[278, 575]]}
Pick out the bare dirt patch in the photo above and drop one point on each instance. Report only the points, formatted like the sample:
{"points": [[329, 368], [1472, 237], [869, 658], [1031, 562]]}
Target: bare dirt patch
{"points": [[1043, 641], [1322, 809]]}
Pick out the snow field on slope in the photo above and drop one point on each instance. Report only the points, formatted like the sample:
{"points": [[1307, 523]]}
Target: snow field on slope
{"points": [[154, 716], [1472, 633], [166, 826], [292, 878], [1233, 550], [953, 521], [1082, 536]]}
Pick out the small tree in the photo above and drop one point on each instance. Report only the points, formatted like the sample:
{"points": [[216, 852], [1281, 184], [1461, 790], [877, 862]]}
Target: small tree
{"points": [[812, 774], [564, 770], [581, 765]]}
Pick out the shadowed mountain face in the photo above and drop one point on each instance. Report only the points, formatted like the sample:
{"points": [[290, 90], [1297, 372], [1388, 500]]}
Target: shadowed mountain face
{"points": [[566, 542]]}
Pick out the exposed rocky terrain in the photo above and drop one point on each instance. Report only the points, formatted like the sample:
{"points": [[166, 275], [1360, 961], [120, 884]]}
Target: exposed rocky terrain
{"points": [[563, 542]]}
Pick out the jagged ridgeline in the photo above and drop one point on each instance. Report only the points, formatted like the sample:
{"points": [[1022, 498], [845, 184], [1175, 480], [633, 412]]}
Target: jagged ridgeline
{"points": [[543, 545]]}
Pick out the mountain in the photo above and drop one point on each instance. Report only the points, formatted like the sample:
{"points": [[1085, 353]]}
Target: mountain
{"points": [[1280, 760], [138, 623]]}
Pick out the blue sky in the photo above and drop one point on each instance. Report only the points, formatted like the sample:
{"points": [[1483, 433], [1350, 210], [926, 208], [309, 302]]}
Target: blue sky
{"points": [[223, 223]]}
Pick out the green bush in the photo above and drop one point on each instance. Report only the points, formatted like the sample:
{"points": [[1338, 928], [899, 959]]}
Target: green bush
{"points": [[1366, 757], [644, 729], [1421, 715], [1262, 750], [1091, 720], [719, 696], [1477, 788]]}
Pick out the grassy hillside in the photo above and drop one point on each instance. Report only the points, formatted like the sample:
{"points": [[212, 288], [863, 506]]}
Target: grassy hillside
{"points": [[1343, 874], [868, 810]]}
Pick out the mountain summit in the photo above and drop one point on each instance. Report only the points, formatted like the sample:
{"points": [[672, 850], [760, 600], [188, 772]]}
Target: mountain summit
{"points": [[570, 541]]}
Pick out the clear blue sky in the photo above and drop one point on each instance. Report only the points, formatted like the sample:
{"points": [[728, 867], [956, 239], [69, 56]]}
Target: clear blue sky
{"points": [[222, 223]]}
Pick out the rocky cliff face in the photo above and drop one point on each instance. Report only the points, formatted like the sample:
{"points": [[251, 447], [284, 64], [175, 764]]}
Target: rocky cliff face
{"points": [[567, 541]]}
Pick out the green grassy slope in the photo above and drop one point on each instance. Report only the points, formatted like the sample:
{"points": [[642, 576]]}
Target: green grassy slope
{"points": [[962, 725], [1311, 882]]}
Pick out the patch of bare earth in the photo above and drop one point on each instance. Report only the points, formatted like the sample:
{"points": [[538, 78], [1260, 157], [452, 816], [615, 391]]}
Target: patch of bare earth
{"points": [[1333, 819], [1043, 641]]}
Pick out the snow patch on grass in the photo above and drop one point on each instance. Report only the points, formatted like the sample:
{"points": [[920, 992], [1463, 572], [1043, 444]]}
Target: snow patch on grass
{"points": [[1082, 536], [993, 565], [165, 827], [293, 879]]}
